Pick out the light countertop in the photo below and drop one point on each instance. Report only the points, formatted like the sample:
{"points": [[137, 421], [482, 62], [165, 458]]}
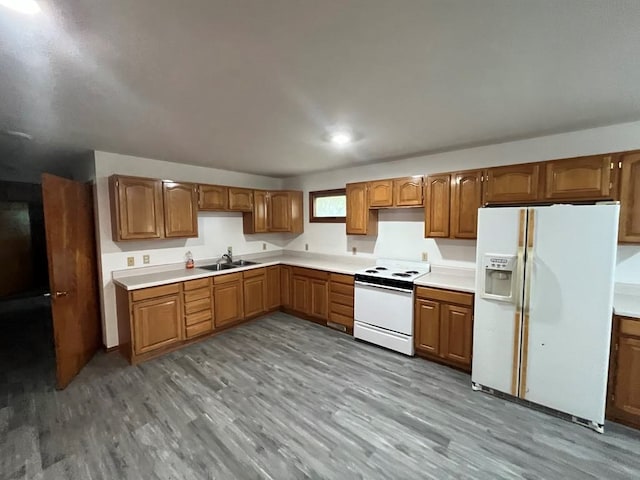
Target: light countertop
{"points": [[626, 300], [450, 278]]}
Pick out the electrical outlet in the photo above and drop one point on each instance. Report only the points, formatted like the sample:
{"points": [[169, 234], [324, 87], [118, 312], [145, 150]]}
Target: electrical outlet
{"points": [[306, 246], [145, 259], [264, 246], [230, 250], [131, 261], [354, 250], [425, 256]]}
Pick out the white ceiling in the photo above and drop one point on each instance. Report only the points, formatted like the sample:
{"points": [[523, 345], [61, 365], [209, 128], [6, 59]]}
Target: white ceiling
{"points": [[252, 85]]}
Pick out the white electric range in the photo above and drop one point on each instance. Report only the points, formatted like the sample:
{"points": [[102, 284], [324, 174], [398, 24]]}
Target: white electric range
{"points": [[383, 303]]}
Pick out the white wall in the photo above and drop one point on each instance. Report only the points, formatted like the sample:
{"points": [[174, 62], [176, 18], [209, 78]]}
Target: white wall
{"points": [[216, 230], [400, 232]]}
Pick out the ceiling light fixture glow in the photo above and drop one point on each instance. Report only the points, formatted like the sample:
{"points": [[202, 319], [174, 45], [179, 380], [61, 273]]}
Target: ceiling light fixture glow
{"points": [[28, 7], [341, 138]]}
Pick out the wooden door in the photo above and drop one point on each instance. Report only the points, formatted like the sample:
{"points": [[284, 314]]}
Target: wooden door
{"points": [[513, 184], [381, 193], [240, 199], [285, 286], [465, 200], [407, 192], [630, 199], [279, 212], [582, 178], [228, 302], [300, 294], [319, 298], [213, 197], [73, 275], [360, 220], [254, 294], [273, 287], [136, 208], [436, 206], [456, 323], [427, 325], [157, 323], [180, 209]]}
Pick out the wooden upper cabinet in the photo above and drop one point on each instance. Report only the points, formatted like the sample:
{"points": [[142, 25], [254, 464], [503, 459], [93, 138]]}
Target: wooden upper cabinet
{"points": [[240, 199], [180, 209], [257, 220], [279, 212], [360, 220], [380, 193], [157, 323], [407, 191], [466, 198], [436, 207], [513, 184], [213, 197], [136, 208], [630, 199], [579, 178]]}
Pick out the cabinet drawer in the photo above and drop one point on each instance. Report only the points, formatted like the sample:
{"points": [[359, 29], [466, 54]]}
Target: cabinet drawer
{"points": [[449, 296], [341, 278], [345, 320], [342, 289], [342, 310], [155, 292], [227, 278], [197, 306], [198, 317], [340, 299], [311, 273], [256, 272], [195, 284], [199, 329], [630, 327], [199, 294]]}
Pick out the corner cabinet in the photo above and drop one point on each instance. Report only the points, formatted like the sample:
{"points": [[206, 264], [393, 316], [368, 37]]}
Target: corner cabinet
{"points": [[180, 209], [630, 198], [136, 208], [360, 220]]}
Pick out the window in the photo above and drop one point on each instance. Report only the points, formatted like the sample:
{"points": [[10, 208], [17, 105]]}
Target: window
{"points": [[328, 206]]}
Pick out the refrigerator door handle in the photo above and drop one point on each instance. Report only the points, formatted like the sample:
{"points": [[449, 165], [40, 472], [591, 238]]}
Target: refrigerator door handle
{"points": [[515, 366], [527, 302]]}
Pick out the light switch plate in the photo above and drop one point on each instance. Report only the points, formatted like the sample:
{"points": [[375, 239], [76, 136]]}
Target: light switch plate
{"points": [[306, 246], [354, 250], [145, 259], [264, 246], [425, 256], [131, 261]]}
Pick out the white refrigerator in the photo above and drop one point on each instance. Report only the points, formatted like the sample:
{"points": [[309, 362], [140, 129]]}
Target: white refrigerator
{"points": [[543, 307]]}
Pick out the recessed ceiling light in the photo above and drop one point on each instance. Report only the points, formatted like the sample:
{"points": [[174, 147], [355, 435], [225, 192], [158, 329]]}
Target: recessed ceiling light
{"points": [[340, 138], [29, 7]]}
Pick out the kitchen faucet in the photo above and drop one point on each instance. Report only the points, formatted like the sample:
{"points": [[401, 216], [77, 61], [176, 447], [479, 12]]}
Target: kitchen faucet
{"points": [[228, 256]]}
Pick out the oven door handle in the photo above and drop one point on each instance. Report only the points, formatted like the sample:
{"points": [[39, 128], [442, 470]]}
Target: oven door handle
{"points": [[385, 287]]}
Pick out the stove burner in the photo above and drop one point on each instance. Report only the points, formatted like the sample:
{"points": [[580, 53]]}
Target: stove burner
{"points": [[382, 268], [404, 275], [371, 271], [412, 272]]}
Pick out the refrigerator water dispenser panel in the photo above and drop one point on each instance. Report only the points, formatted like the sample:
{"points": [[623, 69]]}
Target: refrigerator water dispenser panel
{"points": [[499, 277]]}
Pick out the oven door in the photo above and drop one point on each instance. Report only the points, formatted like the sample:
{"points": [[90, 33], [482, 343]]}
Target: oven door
{"points": [[384, 307]]}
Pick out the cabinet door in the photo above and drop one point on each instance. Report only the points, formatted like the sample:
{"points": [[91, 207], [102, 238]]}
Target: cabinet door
{"points": [[285, 286], [273, 288], [456, 333], [136, 208], [381, 193], [213, 197], [465, 201], [626, 396], [407, 192], [157, 323], [513, 184], [319, 298], [630, 199], [180, 209], [228, 303], [257, 221], [427, 325], [240, 199], [300, 294], [254, 296], [279, 212], [360, 220], [583, 178], [436, 206]]}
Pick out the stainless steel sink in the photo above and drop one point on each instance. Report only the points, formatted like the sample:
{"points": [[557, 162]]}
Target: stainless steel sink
{"points": [[216, 267], [243, 263]]}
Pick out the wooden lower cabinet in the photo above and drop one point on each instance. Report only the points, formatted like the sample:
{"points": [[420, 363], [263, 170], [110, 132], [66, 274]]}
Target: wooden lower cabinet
{"points": [[341, 294], [623, 402], [310, 293], [228, 299], [319, 298], [198, 307], [300, 293], [444, 326], [254, 292], [157, 323], [272, 301], [285, 286]]}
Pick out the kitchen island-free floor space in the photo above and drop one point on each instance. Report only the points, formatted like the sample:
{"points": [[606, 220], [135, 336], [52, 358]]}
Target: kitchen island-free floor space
{"points": [[284, 398]]}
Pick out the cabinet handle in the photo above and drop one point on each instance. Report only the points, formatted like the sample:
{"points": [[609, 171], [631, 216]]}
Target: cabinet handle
{"points": [[61, 294]]}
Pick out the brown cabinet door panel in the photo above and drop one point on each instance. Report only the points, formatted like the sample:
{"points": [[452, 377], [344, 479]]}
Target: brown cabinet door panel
{"points": [[228, 303], [180, 209], [513, 184], [273, 287], [466, 198], [279, 211], [136, 208], [630, 199], [407, 192], [213, 197], [381, 193], [254, 296], [319, 298], [157, 323], [583, 178], [627, 377], [285, 286], [456, 334], [360, 220], [436, 206], [300, 294], [240, 199], [257, 221], [427, 326]]}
